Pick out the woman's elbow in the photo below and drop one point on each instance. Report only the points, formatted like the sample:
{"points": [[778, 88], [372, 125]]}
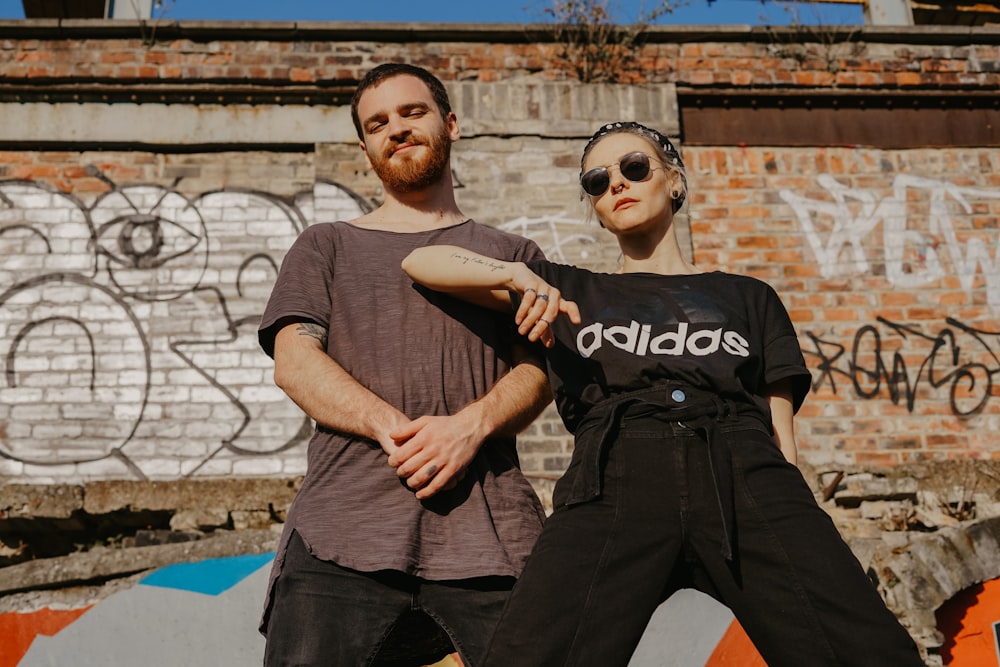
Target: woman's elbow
{"points": [[411, 263]]}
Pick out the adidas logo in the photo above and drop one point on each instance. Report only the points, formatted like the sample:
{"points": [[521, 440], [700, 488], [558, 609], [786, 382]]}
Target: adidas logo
{"points": [[638, 339]]}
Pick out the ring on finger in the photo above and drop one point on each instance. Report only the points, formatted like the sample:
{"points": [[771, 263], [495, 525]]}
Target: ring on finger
{"points": [[530, 289], [543, 297], [547, 323]]}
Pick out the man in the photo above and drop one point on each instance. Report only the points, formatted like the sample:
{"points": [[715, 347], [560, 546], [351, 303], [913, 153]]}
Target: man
{"points": [[412, 499]]}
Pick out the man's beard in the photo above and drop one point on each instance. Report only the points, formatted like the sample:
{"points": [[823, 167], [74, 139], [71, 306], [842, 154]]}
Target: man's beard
{"points": [[413, 174]]}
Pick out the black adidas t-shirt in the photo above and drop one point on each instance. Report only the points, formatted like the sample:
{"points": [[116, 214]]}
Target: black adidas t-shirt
{"points": [[721, 332]]}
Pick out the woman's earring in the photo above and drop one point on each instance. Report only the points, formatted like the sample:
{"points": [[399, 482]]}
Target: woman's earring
{"points": [[675, 194]]}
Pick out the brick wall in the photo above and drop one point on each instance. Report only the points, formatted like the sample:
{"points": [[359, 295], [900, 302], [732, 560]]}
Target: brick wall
{"points": [[290, 54], [132, 276], [887, 263]]}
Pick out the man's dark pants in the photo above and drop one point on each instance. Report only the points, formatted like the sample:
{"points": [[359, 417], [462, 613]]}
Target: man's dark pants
{"points": [[326, 615]]}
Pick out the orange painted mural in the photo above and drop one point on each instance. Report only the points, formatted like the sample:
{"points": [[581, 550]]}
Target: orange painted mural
{"points": [[19, 630], [735, 650], [970, 622]]}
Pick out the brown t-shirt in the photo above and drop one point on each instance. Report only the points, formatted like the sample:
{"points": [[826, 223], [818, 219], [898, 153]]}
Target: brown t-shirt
{"points": [[427, 354]]}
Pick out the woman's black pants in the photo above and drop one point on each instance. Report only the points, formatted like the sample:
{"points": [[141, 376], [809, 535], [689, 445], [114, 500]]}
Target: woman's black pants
{"points": [[602, 567]]}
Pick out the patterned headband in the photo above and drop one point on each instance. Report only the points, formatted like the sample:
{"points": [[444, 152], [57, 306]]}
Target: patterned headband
{"points": [[673, 155]]}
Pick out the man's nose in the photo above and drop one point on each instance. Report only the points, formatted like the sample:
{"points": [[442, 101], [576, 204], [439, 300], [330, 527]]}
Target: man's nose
{"points": [[398, 126]]}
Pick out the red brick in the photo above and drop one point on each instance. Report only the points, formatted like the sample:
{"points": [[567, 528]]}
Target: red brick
{"points": [[35, 57], [756, 242], [117, 57], [15, 157], [879, 459], [32, 172], [784, 257], [801, 271]]}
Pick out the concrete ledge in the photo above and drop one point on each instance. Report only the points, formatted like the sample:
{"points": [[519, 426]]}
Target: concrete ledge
{"points": [[33, 501], [510, 108], [174, 124], [107, 563]]}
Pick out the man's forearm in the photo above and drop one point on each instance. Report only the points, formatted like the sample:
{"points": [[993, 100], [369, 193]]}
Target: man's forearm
{"points": [[515, 400], [324, 390]]}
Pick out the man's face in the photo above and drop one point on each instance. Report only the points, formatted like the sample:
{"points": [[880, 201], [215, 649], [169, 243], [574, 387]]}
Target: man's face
{"points": [[406, 141]]}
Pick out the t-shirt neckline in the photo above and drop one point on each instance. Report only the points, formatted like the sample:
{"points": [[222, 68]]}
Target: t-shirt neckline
{"points": [[397, 232]]}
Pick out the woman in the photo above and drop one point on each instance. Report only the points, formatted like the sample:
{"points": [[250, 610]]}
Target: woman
{"points": [[680, 387]]}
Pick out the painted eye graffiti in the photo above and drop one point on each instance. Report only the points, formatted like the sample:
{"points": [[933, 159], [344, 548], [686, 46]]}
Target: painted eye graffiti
{"points": [[153, 241], [144, 241]]}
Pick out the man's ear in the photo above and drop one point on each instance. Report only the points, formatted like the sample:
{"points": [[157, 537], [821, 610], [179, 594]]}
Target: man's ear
{"points": [[451, 120], [364, 151]]}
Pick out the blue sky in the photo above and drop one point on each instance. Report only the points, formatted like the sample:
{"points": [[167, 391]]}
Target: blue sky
{"points": [[689, 12]]}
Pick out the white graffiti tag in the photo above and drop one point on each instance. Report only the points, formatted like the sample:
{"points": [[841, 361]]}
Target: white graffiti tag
{"points": [[559, 236], [838, 230]]}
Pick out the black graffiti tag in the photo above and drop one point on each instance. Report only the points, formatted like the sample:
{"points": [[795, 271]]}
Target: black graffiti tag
{"points": [[937, 361]]}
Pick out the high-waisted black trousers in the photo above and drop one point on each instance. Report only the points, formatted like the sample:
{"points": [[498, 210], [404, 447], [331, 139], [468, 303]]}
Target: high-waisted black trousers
{"points": [[602, 567]]}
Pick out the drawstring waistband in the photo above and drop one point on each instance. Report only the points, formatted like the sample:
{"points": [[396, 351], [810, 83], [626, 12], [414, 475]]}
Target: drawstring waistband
{"points": [[695, 409]]}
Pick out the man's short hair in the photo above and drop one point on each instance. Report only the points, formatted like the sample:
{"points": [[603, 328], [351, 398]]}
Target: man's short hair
{"points": [[388, 71]]}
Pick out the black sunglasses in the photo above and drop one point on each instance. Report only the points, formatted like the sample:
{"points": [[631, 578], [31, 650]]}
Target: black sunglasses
{"points": [[634, 167]]}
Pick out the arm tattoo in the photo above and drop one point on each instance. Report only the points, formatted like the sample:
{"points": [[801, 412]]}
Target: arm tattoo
{"points": [[490, 264], [314, 331]]}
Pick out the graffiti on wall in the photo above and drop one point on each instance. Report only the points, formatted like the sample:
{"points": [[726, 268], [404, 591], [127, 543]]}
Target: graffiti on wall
{"points": [[128, 326], [952, 358], [922, 239], [562, 238], [923, 232]]}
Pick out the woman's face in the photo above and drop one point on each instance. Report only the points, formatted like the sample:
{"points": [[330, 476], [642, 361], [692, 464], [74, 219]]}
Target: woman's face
{"points": [[626, 206]]}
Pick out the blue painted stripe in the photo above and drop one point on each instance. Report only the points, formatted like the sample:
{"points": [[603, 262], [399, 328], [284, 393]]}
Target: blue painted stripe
{"points": [[211, 577]]}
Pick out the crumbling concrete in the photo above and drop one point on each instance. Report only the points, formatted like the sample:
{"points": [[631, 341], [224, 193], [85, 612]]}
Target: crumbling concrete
{"points": [[72, 545], [924, 532], [103, 563], [45, 521], [104, 497]]}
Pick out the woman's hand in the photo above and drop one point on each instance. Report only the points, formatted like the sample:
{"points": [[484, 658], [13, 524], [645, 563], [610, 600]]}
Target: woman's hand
{"points": [[541, 304]]}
